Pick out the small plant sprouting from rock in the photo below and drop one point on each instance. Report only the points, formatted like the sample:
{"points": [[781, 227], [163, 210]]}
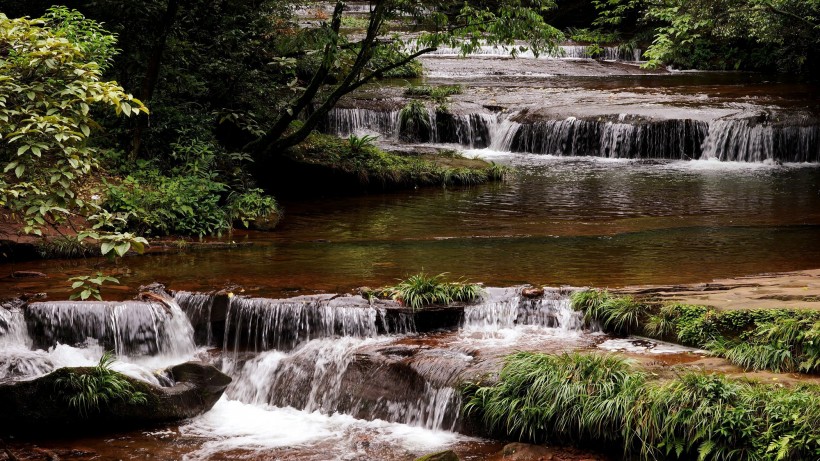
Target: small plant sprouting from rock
{"points": [[422, 290], [88, 286], [88, 391]]}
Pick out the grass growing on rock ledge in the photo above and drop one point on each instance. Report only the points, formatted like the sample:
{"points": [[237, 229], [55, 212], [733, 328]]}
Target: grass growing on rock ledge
{"points": [[421, 290], [88, 390], [780, 340], [602, 400], [372, 165]]}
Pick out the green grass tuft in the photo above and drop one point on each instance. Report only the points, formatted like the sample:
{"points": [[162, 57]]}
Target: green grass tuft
{"points": [[87, 391], [422, 290]]}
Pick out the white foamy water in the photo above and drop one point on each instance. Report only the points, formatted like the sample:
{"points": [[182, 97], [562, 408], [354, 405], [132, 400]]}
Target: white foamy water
{"points": [[232, 425], [639, 345]]}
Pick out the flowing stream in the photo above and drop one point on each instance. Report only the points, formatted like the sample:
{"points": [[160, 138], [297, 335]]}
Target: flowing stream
{"points": [[315, 377], [623, 176]]}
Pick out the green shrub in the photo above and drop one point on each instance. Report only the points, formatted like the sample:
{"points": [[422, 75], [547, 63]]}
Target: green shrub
{"points": [[359, 143], [87, 391], [422, 290], [161, 205], [373, 165], [251, 205]]}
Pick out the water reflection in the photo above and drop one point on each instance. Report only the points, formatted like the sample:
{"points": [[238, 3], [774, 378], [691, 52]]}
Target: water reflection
{"points": [[557, 221]]}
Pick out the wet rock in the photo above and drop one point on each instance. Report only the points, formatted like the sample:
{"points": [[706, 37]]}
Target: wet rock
{"points": [[27, 274], [532, 292], [30, 406], [448, 455], [528, 452]]}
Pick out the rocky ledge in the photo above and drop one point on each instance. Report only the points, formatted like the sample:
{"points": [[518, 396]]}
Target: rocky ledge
{"points": [[34, 405]]}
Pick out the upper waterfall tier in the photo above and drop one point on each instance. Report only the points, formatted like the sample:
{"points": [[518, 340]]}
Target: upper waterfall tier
{"points": [[631, 137]]}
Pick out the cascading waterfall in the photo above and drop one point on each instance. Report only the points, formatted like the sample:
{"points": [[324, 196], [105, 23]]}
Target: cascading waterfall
{"points": [[145, 336], [346, 122], [129, 328], [262, 324], [626, 137], [745, 141], [506, 308]]}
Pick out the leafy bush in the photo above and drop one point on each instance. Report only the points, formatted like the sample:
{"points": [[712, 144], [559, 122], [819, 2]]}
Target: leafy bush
{"points": [[599, 399], [87, 286], [251, 205], [373, 165], [161, 205], [421, 290], [87, 391]]}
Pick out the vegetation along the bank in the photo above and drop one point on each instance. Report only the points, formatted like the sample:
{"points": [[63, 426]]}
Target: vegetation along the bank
{"points": [[602, 401], [781, 340]]}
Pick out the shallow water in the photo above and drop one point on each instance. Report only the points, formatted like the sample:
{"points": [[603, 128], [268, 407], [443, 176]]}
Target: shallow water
{"points": [[576, 221]]}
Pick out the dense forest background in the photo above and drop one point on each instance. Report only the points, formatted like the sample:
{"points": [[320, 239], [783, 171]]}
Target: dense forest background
{"points": [[221, 87]]}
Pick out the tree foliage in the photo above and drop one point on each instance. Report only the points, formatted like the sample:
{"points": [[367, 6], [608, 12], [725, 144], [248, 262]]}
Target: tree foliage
{"points": [[723, 34], [50, 85]]}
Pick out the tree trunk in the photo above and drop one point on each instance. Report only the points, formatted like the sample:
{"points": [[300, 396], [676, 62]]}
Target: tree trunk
{"points": [[149, 81]]}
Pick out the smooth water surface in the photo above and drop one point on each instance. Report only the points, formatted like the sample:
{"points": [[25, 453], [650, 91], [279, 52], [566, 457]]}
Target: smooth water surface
{"points": [[578, 221]]}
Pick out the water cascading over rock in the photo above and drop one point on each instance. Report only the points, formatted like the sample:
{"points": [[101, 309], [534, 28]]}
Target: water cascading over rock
{"points": [[342, 354], [624, 136], [128, 328]]}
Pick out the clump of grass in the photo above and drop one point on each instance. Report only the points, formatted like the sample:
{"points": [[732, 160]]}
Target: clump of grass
{"points": [[359, 143], [63, 247], [414, 122], [573, 397], [619, 315], [422, 290], [437, 93], [88, 391], [371, 165], [599, 399]]}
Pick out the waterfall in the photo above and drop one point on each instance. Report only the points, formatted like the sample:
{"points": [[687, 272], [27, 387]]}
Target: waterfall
{"points": [[346, 122], [506, 308], [628, 137], [129, 328], [319, 376], [665, 139], [13, 330], [747, 141], [262, 324]]}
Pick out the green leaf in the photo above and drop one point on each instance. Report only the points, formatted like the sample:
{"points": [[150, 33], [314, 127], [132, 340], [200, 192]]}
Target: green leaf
{"points": [[19, 170], [123, 248], [106, 247]]}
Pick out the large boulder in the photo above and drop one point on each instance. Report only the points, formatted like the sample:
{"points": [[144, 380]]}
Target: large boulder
{"points": [[30, 406]]}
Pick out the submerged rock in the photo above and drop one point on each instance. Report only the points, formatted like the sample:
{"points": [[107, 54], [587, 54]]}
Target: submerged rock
{"points": [[448, 455], [529, 452], [30, 406]]}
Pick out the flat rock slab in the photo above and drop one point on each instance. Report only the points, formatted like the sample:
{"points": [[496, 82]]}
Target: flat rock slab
{"points": [[767, 291]]}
